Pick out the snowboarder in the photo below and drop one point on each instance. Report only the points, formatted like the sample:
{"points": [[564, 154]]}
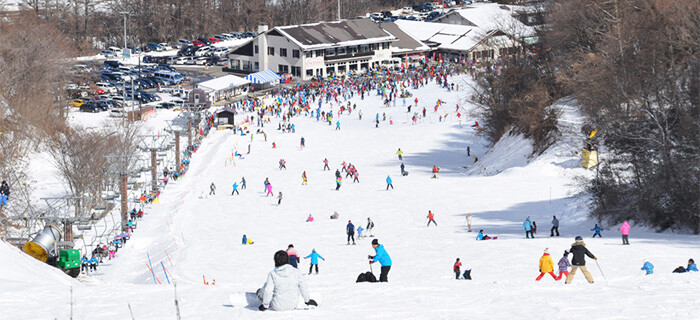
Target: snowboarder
{"points": [[325, 165], [469, 222], [527, 226], [212, 189], [279, 198], [648, 267], [456, 267], [242, 183], [431, 218], [435, 172], [370, 226], [597, 230], [400, 153], [338, 182], [304, 181], [283, 287], [350, 230], [235, 188], [403, 171], [314, 260], [564, 266], [555, 226], [546, 266], [383, 258], [625, 230], [388, 183], [578, 249], [293, 255]]}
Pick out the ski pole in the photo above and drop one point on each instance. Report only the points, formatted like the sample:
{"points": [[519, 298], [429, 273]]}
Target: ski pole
{"points": [[601, 270]]}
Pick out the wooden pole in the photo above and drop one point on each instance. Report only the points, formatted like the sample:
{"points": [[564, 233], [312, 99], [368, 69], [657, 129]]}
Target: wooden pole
{"points": [[177, 150], [124, 201], [154, 167]]}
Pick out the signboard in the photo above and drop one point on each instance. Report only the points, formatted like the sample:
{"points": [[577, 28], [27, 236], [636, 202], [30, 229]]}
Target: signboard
{"points": [[126, 53]]}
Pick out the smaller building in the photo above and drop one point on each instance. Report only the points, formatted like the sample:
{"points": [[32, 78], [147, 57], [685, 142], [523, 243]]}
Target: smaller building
{"points": [[263, 79], [198, 99], [224, 88]]}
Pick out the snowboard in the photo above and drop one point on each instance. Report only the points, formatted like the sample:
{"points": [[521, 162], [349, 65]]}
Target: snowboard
{"points": [[250, 300], [490, 238]]}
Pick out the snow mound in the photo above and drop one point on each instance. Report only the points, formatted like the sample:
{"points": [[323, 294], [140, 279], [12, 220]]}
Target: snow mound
{"points": [[512, 150], [24, 270]]}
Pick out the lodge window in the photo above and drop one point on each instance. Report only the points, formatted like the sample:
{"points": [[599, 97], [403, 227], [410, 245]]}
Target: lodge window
{"points": [[271, 51], [295, 53], [283, 52]]}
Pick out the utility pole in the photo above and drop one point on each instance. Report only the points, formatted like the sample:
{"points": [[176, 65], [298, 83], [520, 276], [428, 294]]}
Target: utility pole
{"points": [[338, 9], [124, 13], [123, 193], [154, 173], [177, 150]]}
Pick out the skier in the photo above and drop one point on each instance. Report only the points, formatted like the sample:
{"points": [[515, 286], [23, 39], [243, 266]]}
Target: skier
{"points": [[350, 230], [338, 182], [356, 177], [279, 198], [304, 181], [283, 287], [400, 153], [435, 172], [546, 266], [388, 183], [130, 226], [93, 263], [314, 260], [555, 226], [242, 183], [283, 164], [293, 255], [244, 241], [431, 218], [527, 226], [235, 188], [455, 268], [359, 232], [578, 249], [648, 267], [469, 222], [370, 226], [383, 258], [625, 230], [337, 125], [564, 266], [269, 190], [597, 230], [212, 189], [84, 264], [325, 164], [302, 142]]}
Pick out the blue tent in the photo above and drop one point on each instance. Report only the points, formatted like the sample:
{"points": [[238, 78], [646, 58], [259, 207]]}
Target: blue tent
{"points": [[267, 76]]}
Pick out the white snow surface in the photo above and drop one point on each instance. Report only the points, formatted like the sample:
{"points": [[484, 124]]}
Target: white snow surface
{"points": [[202, 235]]}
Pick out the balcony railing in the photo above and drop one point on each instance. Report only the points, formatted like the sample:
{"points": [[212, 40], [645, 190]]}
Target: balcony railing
{"points": [[348, 56]]}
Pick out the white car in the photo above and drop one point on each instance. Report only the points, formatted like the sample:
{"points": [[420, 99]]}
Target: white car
{"points": [[165, 46], [406, 10], [107, 87], [117, 51], [117, 112], [181, 60], [185, 42], [204, 51], [108, 53], [201, 61], [221, 52]]}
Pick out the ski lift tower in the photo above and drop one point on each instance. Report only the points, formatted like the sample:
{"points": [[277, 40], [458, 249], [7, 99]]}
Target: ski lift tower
{"points": [[154, 143], [121, 169], [179, 126]]}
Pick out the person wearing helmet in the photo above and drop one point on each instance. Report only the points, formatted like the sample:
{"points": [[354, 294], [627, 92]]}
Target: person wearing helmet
{"points": [[578, 249]]}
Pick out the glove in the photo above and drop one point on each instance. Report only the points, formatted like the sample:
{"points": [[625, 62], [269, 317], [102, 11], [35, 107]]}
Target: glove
{"points": [[596, 258], [311, 302], [262, 308]]}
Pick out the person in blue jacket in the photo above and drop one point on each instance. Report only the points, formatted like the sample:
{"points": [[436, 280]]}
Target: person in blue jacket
{"points": [[383, 258], [597, 230], [691, 266], [93, 263], [245, 239], [648, 267], [314, 260], [84, 263], [527, 227], [388, 183], [235, 189], [480, 236]]}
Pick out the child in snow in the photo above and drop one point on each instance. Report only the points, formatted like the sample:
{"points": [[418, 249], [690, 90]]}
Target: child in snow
{"points": [[388, 183], [455, 268], [597, 230], [304, 181], [481, 235], [350, 230], [578, 249], [435, 172], [527, 227], [111, 249], [359, 231], [564, 265], [283, 287], [338, 182], [93, 263], [279, 199], [235, 188], [691, 266], [648, 267], [314, 260], [546, 266], [245, 240], [625, 230], [310, 219], [84, 263]]}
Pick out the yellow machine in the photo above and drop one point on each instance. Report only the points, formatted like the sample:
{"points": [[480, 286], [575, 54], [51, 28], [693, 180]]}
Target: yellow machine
{"points": [[589, 159]]}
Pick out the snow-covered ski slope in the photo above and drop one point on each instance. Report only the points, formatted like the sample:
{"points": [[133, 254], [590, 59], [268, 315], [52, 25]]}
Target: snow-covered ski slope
{"points": [[202, 235]]}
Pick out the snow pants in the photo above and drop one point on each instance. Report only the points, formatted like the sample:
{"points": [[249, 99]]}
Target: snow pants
{"points": [[325, 166], [351, 236], [433, 221], [93, 267], [528, 234], [625, 239], [563, 273], [542, 275], [111, 254], [554, 229], [312, 266], [235, 191], [3, 200], [457, 273], [597, 234], [389, 185], [573, 273], [384, 275]]}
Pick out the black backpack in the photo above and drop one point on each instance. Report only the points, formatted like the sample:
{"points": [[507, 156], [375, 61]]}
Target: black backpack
{"points": [[679, 270], [366, 277]]}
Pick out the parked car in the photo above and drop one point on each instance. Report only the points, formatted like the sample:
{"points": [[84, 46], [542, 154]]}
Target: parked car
{"points": [[222, 37], [221, 52], [165, 105], [77, 103], [105, 105], [152, 46], [214, 40], [116, 50], [81, 68], [89, 107], [185, 42], [112, 64], [134, 49], [165, 46], [108, 53], [117, 112], [204, 40], [222, 62], [204, 51], [197, 43]]}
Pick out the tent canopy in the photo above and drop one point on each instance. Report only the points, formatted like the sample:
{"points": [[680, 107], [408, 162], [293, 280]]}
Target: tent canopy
{"points": [[266, 76], [225, 82]]}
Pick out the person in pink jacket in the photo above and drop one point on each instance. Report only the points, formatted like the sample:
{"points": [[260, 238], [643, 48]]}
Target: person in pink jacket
{"points": [[625, 229]]}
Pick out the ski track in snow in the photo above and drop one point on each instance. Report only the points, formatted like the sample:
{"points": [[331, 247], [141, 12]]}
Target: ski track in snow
{"points": [[203, 235]]}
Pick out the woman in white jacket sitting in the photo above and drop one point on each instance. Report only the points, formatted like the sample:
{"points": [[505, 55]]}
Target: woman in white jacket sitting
{"points": [[283, 287]]}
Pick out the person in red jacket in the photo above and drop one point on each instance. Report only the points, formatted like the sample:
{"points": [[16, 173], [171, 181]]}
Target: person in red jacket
{"points": [[435, 171], [456, 268], [431, 218]]}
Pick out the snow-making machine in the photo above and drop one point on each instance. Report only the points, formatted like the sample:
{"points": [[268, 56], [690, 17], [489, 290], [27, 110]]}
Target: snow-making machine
{"points": [[45, 247]]}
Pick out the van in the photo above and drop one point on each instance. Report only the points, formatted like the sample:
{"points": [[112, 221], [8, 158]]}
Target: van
{"points": [[169, 76], [113, 64]]}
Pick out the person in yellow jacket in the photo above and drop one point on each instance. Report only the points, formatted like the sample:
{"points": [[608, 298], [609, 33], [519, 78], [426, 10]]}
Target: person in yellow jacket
{"points": [[304, 180], [546, 266]]}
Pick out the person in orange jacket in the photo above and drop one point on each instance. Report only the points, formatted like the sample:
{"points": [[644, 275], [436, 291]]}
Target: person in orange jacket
{"points": [[546, 266], [456, 268], [431, 218], [435, 171]]}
